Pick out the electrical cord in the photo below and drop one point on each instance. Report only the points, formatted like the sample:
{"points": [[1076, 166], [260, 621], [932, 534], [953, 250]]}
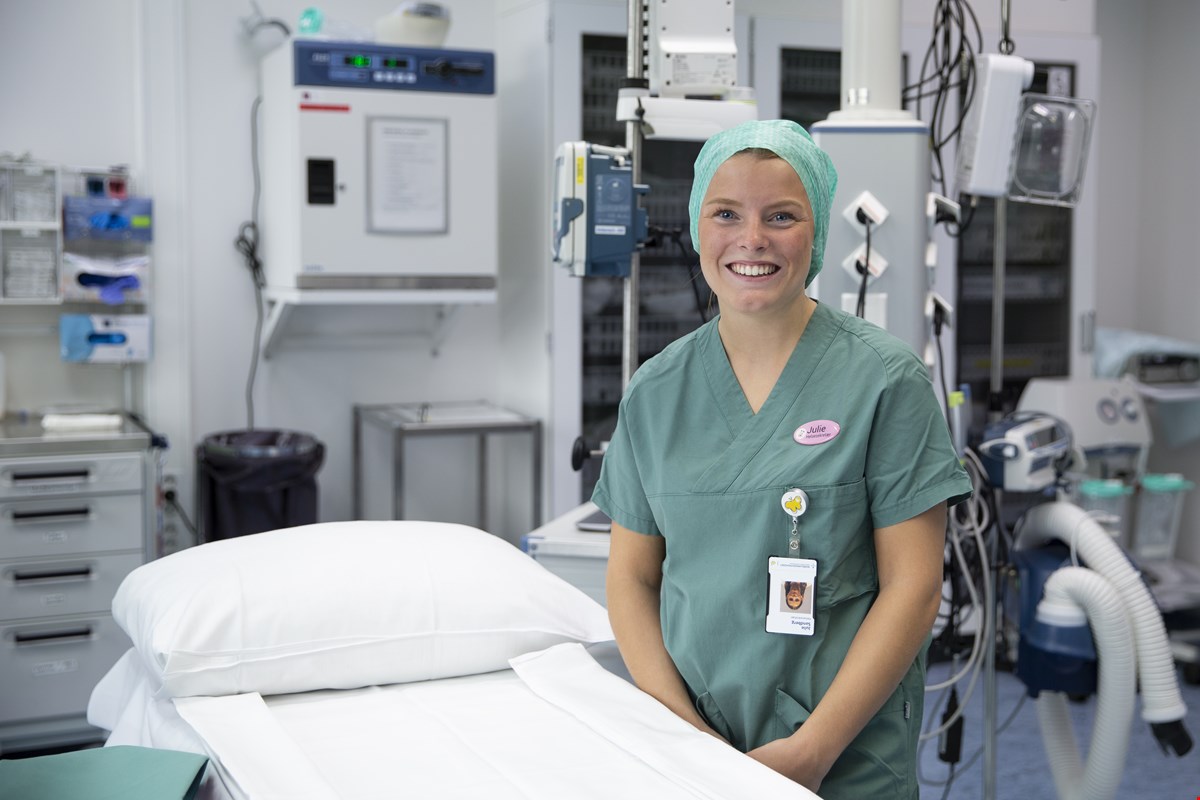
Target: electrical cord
{"points": [[864, 268], [955, 41], [694, 272], [968, 524], [173, 502], [246, 243]]}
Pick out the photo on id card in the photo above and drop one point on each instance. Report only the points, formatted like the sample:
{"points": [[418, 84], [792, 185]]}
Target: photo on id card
{"points": [[791, 594]]}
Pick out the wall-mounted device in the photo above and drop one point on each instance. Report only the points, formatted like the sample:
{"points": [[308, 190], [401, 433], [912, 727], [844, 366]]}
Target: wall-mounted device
{"points": [[379, 167], [596, 223]]}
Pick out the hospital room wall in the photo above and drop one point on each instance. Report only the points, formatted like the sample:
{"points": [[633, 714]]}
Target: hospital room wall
{"points": [[1147, 172], [46, 103]]}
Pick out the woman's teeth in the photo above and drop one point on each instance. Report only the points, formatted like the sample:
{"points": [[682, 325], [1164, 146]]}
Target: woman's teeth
{"points": [[753, 270]]}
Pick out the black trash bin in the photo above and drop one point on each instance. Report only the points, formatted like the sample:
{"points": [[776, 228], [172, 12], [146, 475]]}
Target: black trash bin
{"points": [[250, 481]]}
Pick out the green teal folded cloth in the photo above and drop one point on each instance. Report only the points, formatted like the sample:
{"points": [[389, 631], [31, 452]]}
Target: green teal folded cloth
{"points": [[104, 773]]}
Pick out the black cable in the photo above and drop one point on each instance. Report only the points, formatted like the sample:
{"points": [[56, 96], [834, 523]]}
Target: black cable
{"points": [[955, 41], [694, 271], [246, 243], [864, 268], [173, 502]]}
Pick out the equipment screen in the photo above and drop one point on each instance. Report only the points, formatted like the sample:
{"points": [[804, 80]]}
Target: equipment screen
{"points": [[1042, 438], [357, 61]]}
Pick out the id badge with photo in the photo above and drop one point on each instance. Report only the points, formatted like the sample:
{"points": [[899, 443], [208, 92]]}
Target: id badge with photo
{"points": [[791, 595]]}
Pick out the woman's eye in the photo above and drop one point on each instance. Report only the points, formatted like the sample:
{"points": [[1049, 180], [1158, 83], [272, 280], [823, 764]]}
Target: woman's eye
{"points": [[782, 216]]}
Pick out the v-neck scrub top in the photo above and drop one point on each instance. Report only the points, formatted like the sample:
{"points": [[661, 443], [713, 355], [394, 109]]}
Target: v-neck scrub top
{"points": [[691, 462]]}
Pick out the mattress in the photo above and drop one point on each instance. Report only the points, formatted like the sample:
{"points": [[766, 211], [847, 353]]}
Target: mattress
{"points": [[557, 724]]}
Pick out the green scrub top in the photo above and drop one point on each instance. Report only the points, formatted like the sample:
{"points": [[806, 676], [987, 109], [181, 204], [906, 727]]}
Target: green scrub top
{"points": [[689, 461]]}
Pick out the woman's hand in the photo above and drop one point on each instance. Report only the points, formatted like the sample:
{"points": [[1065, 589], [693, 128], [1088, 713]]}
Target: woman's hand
{"points": [[800, 764]]}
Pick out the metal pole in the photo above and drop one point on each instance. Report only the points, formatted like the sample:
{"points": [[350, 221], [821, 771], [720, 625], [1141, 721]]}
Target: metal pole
{"points": [[999, 247], [633, 142]]}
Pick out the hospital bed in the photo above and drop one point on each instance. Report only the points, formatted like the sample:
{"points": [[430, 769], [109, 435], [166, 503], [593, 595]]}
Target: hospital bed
{"points": [[395, 659]]}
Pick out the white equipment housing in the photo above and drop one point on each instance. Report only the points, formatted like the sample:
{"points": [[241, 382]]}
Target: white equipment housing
{"points": [[379, 168], [985, 150], [691, 48]]}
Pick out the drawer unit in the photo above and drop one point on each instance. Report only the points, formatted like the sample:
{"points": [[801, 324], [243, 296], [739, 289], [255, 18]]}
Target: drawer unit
{"points": [[48, 669], [53, 587], [75, 517], [67, 525], [24, 478]]}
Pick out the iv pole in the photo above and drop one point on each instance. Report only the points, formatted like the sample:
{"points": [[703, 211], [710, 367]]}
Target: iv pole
{"points": [[635, 77]]}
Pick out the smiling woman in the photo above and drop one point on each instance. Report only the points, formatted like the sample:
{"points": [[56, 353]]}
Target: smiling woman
{"points": [[819, 673]]}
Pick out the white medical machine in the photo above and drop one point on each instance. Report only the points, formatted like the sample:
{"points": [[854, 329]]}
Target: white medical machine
{"points": [[379, 167], [1106, 418]]}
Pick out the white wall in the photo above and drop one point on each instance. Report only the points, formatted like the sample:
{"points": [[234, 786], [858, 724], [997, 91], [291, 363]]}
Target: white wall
{"points": [[70, 94], [1148, 170]]}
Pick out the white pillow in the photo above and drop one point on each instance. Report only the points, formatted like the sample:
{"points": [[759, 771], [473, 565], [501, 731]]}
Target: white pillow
{"points": [[341, 605]]}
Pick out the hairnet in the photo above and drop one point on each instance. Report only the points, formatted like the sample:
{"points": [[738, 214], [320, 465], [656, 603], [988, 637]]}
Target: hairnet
{"points": [[790, 142]]}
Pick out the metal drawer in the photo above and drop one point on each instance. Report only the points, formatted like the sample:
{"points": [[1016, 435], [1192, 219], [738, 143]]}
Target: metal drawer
{"points": [[71, 475], [53, 587], [49, 669], [69, 526]]}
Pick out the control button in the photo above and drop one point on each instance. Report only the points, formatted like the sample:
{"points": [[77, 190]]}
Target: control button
{"points": [[1130, 409], [1108, 410]]}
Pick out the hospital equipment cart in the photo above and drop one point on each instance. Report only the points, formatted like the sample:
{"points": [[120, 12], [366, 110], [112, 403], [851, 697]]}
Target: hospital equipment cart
{"points": [[578, 556], [464, 462], [76, 516]]}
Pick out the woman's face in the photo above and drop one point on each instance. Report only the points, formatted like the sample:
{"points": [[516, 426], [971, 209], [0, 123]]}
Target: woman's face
{"points": [[756, 235], [795, 597]]}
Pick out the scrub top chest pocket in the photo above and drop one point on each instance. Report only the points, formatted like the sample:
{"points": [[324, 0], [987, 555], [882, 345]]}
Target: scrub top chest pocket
{"points": [[834, 532]]}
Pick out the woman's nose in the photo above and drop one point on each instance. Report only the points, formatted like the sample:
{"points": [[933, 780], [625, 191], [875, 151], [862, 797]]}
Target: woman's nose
{"points": [[754, 235]]}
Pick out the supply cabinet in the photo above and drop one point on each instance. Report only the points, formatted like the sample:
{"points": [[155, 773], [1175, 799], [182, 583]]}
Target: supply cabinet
{"points": [[75, 516]]}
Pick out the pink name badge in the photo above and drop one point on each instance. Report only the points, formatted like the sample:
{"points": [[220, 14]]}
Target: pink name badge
{"points": [[819, 431]]}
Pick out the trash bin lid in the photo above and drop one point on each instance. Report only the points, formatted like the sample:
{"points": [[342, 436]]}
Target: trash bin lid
{"points": [[259, 443]]}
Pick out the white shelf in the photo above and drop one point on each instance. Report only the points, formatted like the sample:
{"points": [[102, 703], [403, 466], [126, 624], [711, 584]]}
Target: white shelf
{"points": [[283, 303], [10, 225]]}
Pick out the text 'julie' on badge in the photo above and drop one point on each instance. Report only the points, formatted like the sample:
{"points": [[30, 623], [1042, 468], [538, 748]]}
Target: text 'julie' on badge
{"points": [[819, 431]]}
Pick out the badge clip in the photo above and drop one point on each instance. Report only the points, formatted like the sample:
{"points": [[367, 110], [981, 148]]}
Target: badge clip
{"points": [[795, 503]]}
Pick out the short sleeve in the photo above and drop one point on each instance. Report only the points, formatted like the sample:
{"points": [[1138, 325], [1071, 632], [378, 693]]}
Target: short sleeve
{"points": [[620, 492], [911, 464]]}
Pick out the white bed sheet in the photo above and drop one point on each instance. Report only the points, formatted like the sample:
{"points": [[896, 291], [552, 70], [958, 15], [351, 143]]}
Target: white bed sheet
{"points": [[556, 725]]}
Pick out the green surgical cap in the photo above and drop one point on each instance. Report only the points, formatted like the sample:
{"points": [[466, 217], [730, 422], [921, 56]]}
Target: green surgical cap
{"points": [[790, 142]]}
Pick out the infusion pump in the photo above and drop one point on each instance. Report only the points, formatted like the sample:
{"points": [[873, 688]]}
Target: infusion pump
{"points": [[379, 167]]}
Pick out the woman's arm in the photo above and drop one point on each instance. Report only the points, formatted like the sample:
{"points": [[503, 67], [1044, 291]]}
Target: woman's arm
{"points": [[910, 557], [632, 584]]}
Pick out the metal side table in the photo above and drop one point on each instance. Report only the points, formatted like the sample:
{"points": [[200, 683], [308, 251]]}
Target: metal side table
{"points": [[389, 483]]}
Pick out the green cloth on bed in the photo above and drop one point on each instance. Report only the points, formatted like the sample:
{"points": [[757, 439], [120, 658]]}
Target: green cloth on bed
{"points": [[104, 773]]}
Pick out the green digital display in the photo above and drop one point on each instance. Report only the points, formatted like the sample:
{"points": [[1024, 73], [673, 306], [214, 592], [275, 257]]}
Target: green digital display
{"points": [[396, 63], [357, 61]]}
